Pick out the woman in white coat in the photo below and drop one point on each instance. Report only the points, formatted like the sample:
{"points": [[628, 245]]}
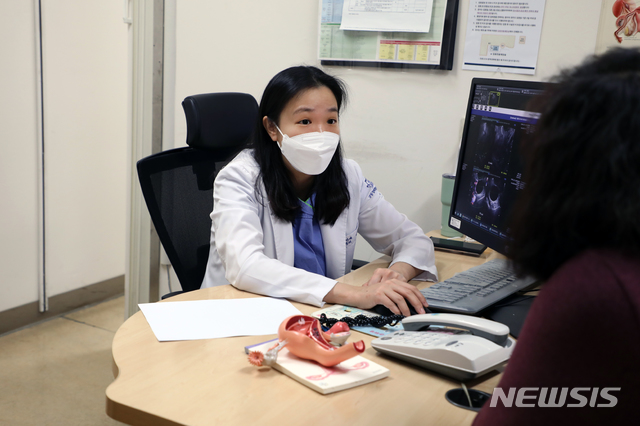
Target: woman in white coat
{"points": [[287, 210]]}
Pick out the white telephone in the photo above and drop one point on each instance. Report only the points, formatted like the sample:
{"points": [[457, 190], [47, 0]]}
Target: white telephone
{"points": [[467, 347]]}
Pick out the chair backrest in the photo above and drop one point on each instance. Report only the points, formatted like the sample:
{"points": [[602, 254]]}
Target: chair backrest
{"points": [[178, 184], [219, 121]]}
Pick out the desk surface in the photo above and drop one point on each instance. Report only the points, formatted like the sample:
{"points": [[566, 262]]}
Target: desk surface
{"points": [[211, 382]]}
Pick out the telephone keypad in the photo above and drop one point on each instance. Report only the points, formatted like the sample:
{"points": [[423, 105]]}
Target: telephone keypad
{"points": [[418, 338]]}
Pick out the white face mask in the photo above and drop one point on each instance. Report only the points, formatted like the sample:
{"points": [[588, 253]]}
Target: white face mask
{"points": [[309, 153]]}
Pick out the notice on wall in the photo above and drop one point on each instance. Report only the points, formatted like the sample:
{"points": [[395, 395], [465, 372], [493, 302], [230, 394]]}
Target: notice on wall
{"points": [[387, 15], [365, 46], [503, 36]]}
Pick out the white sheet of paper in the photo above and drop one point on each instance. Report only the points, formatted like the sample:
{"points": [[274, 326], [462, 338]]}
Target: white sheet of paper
{"points": [[211, 319], [387, 15]]}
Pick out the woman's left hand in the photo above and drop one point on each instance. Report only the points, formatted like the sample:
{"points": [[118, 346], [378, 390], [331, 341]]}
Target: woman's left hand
{"points": [[400, 271], [385, 274]]}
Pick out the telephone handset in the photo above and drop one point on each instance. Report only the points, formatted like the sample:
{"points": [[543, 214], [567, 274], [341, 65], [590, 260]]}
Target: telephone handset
{"points": [[490, 330], [467, 347]]}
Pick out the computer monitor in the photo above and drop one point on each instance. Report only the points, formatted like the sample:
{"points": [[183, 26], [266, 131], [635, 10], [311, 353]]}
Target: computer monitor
{"points": [[489, 173]]}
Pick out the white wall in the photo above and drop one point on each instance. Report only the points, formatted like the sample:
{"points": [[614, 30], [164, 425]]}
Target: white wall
{"points": [[18, 159], [85, 77], [403, 127]]}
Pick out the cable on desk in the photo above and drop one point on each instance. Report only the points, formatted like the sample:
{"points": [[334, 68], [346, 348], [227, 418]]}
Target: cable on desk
{"points": [[466, 392], [362, 321]]}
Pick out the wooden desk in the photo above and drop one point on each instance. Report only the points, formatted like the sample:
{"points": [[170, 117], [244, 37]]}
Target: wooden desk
{"points": [[208, 382]]}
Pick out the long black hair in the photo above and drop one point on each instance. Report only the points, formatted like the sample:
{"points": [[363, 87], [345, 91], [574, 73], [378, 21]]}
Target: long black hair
{"points": [[330, 187], [582, 166]]}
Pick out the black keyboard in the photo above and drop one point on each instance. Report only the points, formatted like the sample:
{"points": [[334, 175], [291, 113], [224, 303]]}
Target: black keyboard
{"points": [[477, 288]]}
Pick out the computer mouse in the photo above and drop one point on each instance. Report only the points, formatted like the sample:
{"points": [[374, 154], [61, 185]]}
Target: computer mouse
{"points": [[384, 311]]}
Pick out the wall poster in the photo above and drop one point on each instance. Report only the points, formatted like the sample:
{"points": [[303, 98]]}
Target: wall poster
{"points": [[619, 25], [388, 33]]}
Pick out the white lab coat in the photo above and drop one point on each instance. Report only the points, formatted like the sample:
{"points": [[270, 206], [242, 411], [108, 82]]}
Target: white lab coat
{"points": [[253, 249]]}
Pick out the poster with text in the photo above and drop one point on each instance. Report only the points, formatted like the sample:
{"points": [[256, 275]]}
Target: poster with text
{"points": [[503, 36]]}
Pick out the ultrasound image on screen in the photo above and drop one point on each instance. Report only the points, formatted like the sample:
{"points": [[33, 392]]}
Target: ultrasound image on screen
{"points": [[485, 196], [495, 142], [494, 99], [489, 175]]}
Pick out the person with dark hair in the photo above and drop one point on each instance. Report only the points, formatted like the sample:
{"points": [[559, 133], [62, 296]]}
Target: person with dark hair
{"points": [[288, 209], [577, 227]]}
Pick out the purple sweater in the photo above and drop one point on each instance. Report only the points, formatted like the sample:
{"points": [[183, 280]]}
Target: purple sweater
{"points": [[582, 331]]}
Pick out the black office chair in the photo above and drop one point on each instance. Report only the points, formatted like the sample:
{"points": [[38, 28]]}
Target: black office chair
{"points": [[177, 184]]}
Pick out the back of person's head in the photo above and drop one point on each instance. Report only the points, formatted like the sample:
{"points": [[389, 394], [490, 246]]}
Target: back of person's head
{"points": [[582, 166], [330, 186]]}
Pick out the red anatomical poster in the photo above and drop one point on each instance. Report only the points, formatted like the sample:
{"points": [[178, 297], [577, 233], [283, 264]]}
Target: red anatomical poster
{"points": [[619, 24]]}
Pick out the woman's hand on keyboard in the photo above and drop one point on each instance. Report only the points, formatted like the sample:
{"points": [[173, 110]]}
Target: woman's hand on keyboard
{"points": [[385, 274], [400, 271], [396, 295]]}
